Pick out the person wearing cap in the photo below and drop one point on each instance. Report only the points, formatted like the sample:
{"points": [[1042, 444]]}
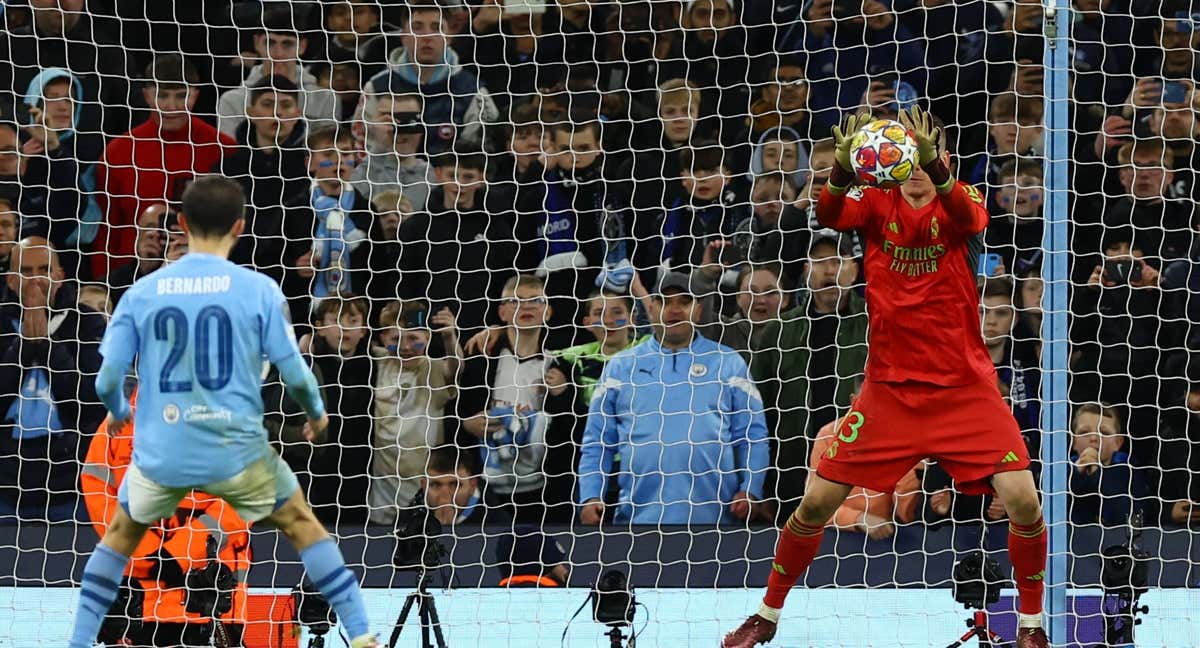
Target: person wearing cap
{"points": [[394, 141], [527, 558], [686, 420], [279, 44], [805, 361]]}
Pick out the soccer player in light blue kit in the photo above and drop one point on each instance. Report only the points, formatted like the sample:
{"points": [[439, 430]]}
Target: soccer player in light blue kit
{"points": [[199, 330]]}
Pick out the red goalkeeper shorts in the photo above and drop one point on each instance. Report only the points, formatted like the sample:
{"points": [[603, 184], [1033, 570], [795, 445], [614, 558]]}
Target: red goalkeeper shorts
{"points": [[969, 430]]}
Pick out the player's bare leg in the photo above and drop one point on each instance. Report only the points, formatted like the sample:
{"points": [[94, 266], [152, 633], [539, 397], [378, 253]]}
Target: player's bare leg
{"points": [[102, 576], [1026, 551], [324, 564], [123, 533], [798, 543]]}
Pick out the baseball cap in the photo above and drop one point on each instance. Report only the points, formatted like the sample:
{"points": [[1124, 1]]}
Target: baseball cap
{"points": [[527, 551], [843, 243], [675, 281]]}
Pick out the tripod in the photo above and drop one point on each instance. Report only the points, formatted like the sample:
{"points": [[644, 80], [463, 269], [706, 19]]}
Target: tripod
{"points": [[615, 638], [977, 626], [426, 612]]}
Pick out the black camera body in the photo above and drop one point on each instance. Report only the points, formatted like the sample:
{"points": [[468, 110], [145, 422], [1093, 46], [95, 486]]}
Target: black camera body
{"points": [[125, 614], [210, 590], [417, 544], [613, 600], [977, 581]]}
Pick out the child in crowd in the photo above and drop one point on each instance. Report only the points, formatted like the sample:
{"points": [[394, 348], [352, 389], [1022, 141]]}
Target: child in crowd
{"points": [[1105, 488], [502, 405], [411, 393], [338, 348], [1015, 232]]}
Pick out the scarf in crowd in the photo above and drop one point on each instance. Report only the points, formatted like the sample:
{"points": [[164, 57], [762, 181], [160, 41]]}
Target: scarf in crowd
{"points": [[335, 237]]}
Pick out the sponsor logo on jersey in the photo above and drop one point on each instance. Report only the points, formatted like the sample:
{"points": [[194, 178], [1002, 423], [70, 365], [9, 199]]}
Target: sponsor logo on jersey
{"points": [[893, 227], [170, 413], [913, 261], [205, 414], [1010, 457], [933, 227]]}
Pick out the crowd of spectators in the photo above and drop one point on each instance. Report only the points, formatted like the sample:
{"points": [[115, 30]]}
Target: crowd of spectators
{"points": [[558, 261]]}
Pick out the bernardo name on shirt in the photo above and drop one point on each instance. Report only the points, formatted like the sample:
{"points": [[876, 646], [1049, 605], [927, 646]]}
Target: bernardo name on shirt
{"points": [[193, 285]]}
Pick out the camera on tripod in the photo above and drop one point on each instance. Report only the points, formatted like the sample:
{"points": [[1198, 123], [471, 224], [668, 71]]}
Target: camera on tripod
{"points": [[313, 612], [613, 605], [419, 549], [977, 581], [1124, 575], [417, 532]]}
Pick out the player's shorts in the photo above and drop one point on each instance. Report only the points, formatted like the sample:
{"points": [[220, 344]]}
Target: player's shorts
{"points": [[969, 430], [254, 493]]}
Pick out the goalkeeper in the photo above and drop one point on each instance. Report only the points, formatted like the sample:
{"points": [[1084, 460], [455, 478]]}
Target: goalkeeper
{"points": [[930, 386]]}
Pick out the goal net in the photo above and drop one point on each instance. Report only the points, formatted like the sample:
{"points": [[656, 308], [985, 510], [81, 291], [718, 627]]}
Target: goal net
{"points": [[558, 270]]}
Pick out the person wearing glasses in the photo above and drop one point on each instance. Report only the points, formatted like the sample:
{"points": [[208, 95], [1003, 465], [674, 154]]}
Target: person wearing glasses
{"points": [[503, 399]]}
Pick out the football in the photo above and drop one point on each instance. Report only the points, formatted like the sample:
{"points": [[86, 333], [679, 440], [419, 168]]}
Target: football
{"points": [[883, 154]]}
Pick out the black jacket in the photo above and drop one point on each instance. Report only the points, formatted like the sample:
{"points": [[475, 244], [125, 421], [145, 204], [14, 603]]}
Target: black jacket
{"points": [[459, 259], [47, 468], [269, 176], [337, 472]]}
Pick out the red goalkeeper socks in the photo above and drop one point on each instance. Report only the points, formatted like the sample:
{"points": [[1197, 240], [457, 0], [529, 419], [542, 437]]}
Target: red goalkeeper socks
{"points": [[797, 547], [1027, 552]]}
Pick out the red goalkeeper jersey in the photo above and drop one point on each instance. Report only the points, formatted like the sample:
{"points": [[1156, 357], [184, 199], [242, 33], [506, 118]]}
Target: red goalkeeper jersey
{"points": [[921, 295]]}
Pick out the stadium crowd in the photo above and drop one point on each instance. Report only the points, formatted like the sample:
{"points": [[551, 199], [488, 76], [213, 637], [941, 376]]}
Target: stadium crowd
{"points": [[558, 262]]}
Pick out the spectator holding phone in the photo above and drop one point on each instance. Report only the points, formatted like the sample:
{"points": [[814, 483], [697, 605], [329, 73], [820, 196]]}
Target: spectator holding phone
{"points": [[150, 248], [849, 43], [1123, 327]]}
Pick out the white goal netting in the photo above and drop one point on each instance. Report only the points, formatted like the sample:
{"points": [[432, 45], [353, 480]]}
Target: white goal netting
{"points": [[473, 206]]}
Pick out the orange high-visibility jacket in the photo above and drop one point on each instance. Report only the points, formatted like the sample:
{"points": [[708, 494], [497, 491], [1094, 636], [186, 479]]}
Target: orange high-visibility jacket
{"points": [[183, 537]]}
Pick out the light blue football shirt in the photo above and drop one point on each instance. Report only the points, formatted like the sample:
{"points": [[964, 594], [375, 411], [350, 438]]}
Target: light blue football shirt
{"points": [[199, 329]]}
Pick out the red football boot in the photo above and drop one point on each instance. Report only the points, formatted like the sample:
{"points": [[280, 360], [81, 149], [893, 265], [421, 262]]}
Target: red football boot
{"points": [[1032, 638], [753, 631]]}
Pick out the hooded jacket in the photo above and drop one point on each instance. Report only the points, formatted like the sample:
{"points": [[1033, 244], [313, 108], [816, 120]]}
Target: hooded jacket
{"points": [[788, 135], [456, 105], [318, 104], [57, 195]]}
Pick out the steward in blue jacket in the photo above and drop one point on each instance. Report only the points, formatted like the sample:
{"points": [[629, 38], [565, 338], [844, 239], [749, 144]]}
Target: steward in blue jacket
{"points": [[685, 419]]}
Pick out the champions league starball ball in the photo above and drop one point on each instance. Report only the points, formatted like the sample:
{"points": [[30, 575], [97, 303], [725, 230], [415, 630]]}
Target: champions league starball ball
{"points": [[883, 154]]}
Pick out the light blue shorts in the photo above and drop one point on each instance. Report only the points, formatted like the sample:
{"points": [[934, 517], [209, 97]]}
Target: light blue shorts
{"points": [[255, 493]]}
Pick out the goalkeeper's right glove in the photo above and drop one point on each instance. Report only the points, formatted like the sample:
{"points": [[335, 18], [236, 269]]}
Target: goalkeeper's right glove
{"points": [[843, 136]]}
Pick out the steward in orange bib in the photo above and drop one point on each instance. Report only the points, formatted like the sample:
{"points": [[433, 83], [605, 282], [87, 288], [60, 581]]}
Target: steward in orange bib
{"points": [[190, 567]]}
